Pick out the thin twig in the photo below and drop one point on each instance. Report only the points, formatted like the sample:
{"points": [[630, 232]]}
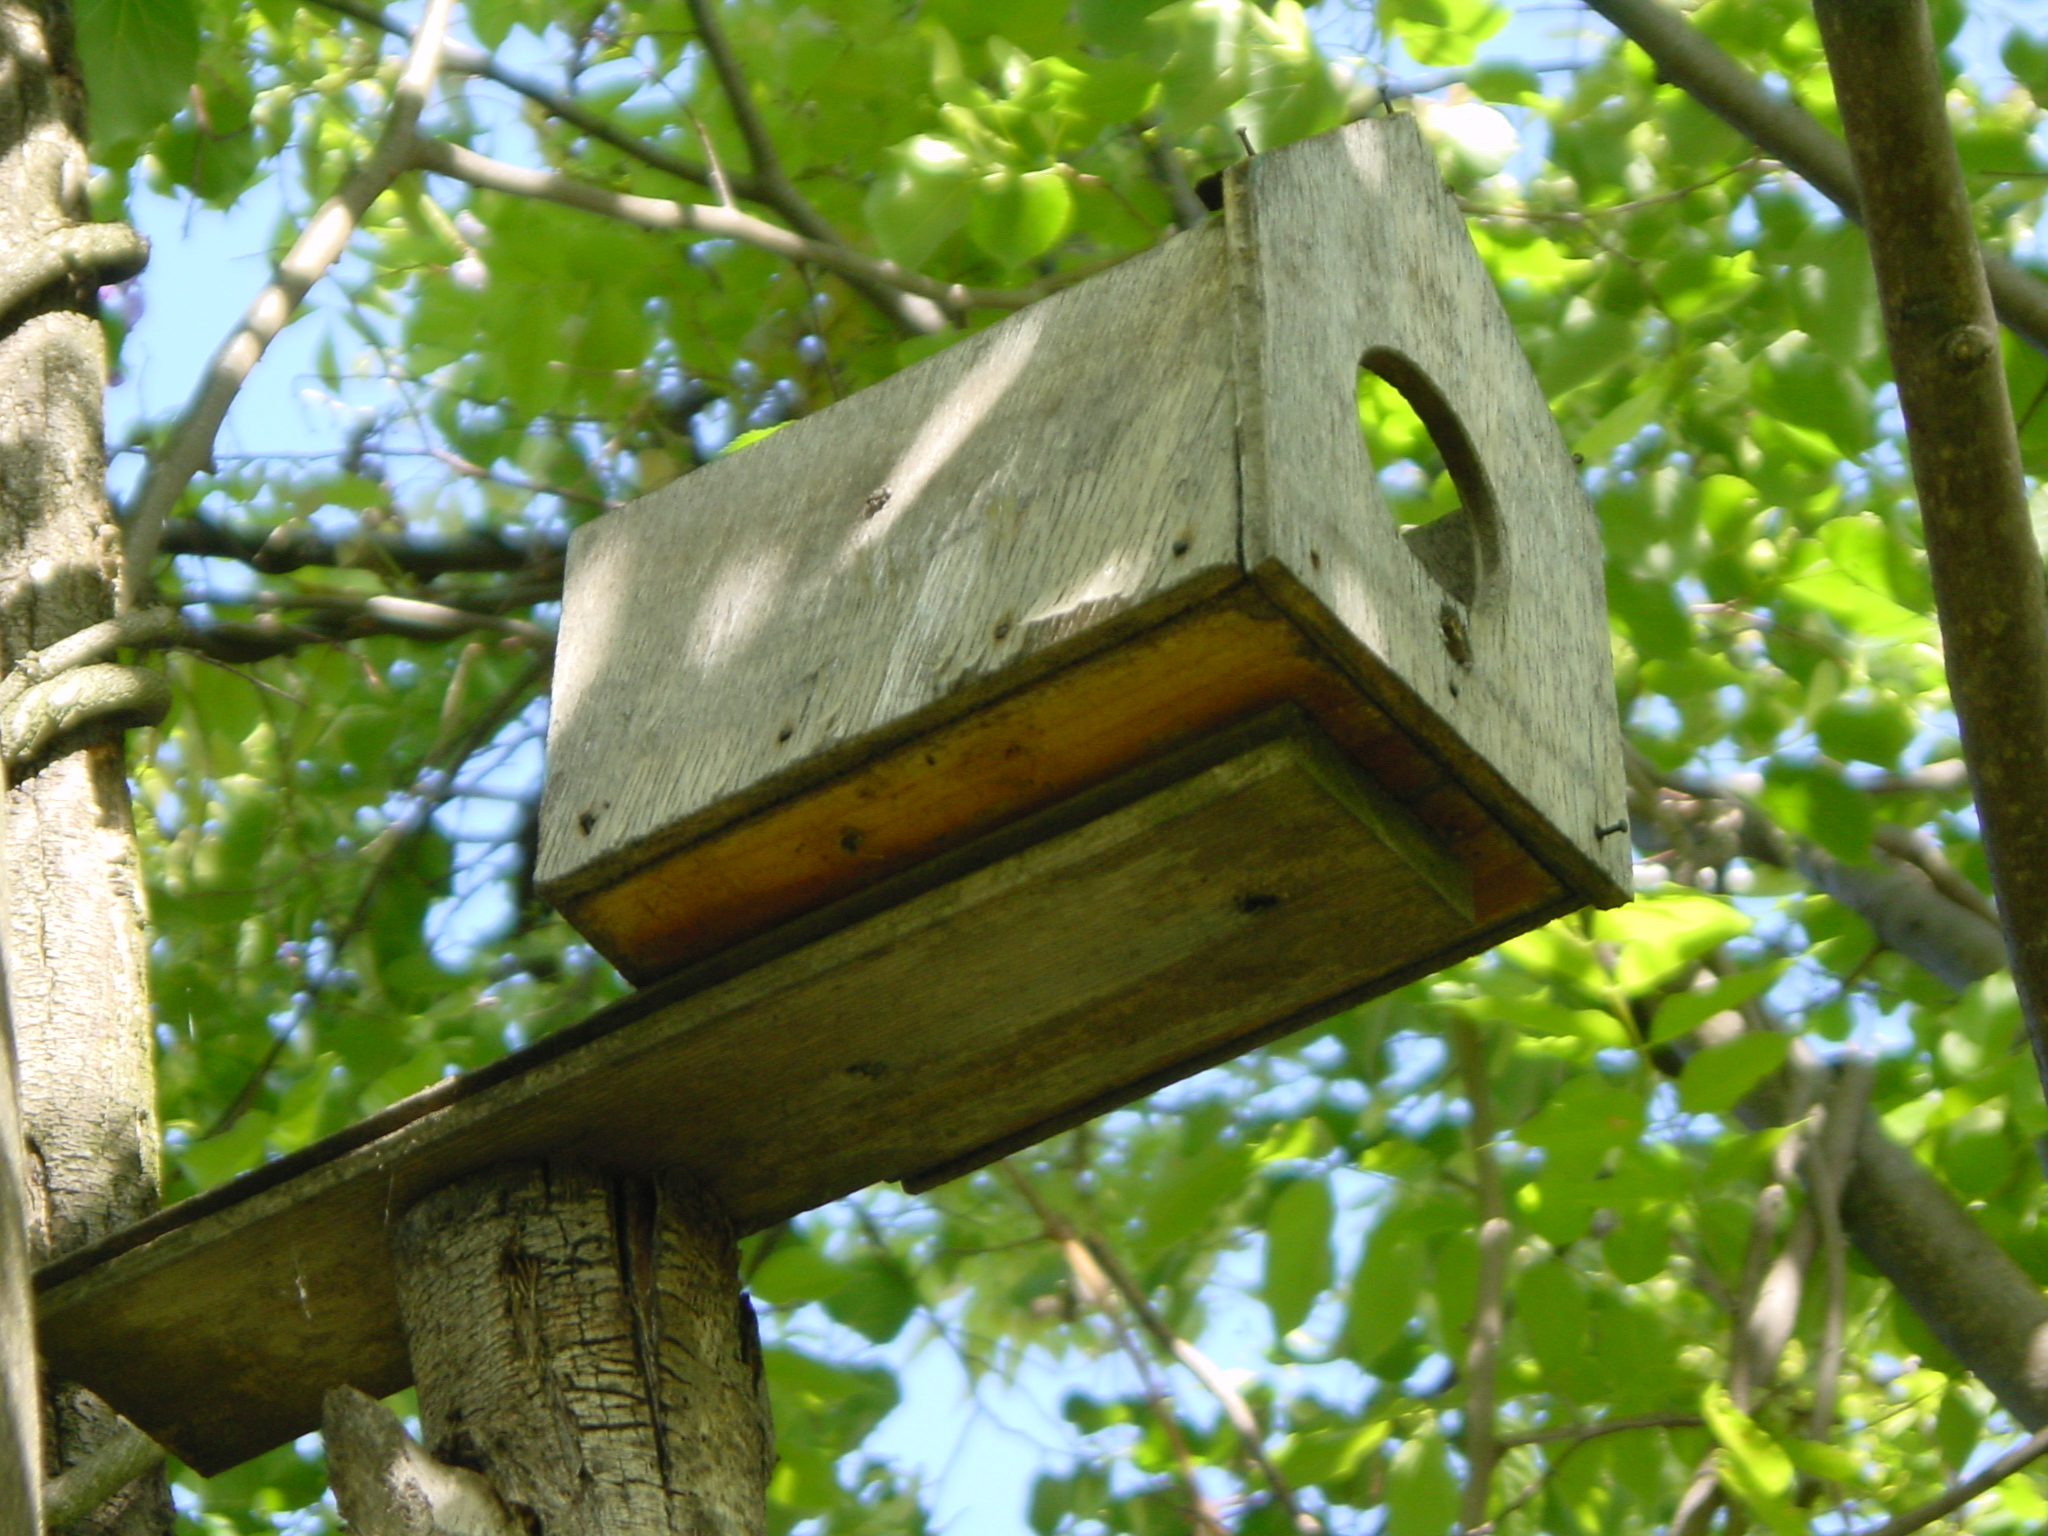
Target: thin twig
{"points": [[761, 156], [709, 219], [1481, 1368], [461, 59], [1204, 1370], [915, 312], [1094, 1288], [1581, 215], [317, 248], [1601, 1427]]}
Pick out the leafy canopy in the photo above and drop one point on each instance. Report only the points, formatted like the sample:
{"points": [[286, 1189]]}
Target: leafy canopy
{"points": [[339, 815]]}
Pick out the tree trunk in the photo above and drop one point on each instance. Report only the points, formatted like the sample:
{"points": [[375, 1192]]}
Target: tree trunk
{"points": [[21, 1416], [583, 1343], [80, 984]]}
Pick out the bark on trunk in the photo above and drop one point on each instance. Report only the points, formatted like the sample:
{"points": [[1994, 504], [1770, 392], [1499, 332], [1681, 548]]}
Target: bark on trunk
{"points": [[21, 1416], [583, 1343], [80, 986]]}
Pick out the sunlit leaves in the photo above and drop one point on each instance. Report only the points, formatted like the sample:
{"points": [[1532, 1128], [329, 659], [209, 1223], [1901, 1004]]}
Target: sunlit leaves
{"points": [[139, 57], [1014, 218]]}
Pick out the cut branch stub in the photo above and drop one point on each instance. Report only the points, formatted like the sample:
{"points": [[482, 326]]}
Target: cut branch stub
{"points": [[581, 1341]]}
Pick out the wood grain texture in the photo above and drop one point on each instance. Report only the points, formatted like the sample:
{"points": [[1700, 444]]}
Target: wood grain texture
{"points": [[952, 600], [757, 626], [1077, 973], [580, 1339], [896, 823], [1348, 248]]}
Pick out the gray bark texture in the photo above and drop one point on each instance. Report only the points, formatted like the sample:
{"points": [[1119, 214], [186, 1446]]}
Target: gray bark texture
{"points": [[78, 982], [582, 1341]]}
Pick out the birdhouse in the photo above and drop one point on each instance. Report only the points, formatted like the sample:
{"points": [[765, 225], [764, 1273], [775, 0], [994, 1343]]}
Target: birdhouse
{"points": [[1057, 717], [1118, 576]]}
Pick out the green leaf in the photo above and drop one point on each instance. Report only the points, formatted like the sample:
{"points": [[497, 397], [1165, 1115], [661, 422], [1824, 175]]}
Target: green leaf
{"points": [[1190, 1199], [1636, 411], [1810, 389], [1717, 1077], [1639, 1248], [1015, 218], [1866, 731], [1833, 1463], [235, 1150], [139, 58], [1550, 1306], [1683, 1011], [2027, 57], [923, 197], [876, 1300], [747, 439], [1441, 33], [1757, 1466], [796, 1273], [1422, 1495], [1297, 1252], [1862, 611], [1586, 1113], [1384, 1291], [1658, 935], [1815, 802]]}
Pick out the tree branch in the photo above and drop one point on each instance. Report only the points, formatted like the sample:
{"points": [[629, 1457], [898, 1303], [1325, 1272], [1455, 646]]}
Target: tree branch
{"points": [[1094, 1288], [1981, 553], [1904, 906], [1969, 1488], [1690, 60], [386, 1485], [317, 248], [85, 1485], [1204, 1370], [98, 253], [1489, 1305], [462, 59], [718, 222], [917, 313], [1830, 1156], [293, 546], [1595, 1430]]}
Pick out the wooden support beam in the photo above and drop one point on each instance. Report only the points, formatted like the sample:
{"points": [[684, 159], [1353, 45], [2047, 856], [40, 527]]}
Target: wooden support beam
{"points": [[587, 1365], [1107, 956]]}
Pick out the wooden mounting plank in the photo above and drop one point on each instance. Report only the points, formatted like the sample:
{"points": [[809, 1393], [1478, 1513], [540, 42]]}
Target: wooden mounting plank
{"points": [[1232, 899]]}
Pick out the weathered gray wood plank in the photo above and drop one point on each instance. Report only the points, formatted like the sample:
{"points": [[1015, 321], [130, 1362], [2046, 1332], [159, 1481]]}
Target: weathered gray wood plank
{"points": [[739, 631], [1349, 245], [1062, 979]]}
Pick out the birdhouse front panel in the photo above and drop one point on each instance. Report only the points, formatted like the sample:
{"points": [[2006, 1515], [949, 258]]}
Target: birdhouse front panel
{"points": [[1489, 622], [865, 656]]}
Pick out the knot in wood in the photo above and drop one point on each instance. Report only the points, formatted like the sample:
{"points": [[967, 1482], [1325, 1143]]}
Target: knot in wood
{"points": [[1967, 347]]}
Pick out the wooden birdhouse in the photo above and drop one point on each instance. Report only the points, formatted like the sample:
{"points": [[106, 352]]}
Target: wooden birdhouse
{"points": [[1115, 581], [1062, 715]]}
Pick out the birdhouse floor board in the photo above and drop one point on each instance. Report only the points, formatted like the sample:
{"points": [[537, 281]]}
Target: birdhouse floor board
{"points": [[1246, 896], [1106, 712]]}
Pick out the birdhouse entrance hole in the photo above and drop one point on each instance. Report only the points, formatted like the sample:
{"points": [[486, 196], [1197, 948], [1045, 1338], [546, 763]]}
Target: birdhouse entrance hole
{"points": [[1427, 471]]}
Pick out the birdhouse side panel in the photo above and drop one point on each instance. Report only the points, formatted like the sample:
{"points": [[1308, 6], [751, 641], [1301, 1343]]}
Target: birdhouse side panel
{"points": [[1488, 628], [771, 620]]}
